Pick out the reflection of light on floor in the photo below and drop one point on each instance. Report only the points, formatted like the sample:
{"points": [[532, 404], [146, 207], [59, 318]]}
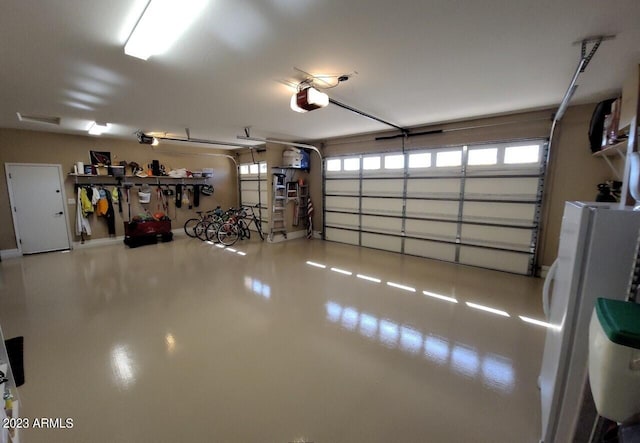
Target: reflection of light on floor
{"points": [[488, 309], [209, 242], [334, 311], [219, 245], [257, 287], [465, 360], [122, 366], [410, 340], [366, 277], [341, 271], [349, 318], [368, 325], [497, 371], [436, 349], [171, 343], [533, 321], [242, 253], [399, 286], [230, 250], [388, 333], [440, 297], [317, 265]]}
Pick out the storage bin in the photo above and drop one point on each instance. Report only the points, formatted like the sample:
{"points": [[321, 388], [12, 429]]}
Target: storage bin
{"points": [[614, 358]]}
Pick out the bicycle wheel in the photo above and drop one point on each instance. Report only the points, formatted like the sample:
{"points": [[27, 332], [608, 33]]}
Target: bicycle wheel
{"points": [[244, 230], [259, 228], [189, 227], [228, 234], [211, 231], [201, 229]]}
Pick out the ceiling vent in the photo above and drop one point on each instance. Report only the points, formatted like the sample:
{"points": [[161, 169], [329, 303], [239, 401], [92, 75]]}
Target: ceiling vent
{"points": [[38, 119]]}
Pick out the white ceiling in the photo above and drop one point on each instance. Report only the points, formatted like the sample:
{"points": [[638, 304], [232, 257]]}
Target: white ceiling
{"points": [[417, 62]]}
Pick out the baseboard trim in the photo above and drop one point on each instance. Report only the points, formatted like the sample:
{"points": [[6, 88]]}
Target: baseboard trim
{"points": [[90, 243], [9, 253], [278, 238]]}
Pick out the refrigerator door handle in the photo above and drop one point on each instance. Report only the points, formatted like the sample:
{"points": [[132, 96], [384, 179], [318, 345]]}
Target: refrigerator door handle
{"points": [[551, 274]]}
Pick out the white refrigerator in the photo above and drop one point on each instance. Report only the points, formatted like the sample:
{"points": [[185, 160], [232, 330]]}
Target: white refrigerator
{"points": [[596, 255]]}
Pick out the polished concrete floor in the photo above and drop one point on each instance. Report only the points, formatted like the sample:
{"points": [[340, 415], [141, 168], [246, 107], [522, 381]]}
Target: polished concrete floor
{"points": [[185, 341]]}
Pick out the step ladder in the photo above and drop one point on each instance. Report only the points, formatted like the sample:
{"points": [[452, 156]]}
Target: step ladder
{"points": [[278, 206], [299, 194]]}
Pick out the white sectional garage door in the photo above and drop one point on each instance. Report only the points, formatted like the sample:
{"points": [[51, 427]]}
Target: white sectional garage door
{"points": [[477, 204], [254, 188]]}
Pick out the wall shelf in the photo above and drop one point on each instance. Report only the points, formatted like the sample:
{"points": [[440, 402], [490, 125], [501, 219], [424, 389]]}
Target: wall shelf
{"points": [[134, 180]]}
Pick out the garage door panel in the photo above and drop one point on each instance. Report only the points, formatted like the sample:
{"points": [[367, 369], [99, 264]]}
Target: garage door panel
{"points": [[342, 236], [392, 206], [499, 212], [483, 214], [516, 188], [439, 230], [342, 187], [249, 198], [436, 187], [493, 259], [429, 249], [342, 203], [343, 220], [382, 187], [385, 242], [447, 210], [384, 224], [497, 236]]}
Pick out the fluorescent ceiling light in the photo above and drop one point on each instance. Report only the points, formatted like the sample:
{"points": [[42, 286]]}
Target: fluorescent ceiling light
{"points": [[440, 297], [317, 265], [399, 286], [161, 24], [98, 128], [488, 309], [533, 321], [366, 277], [341, 271]]}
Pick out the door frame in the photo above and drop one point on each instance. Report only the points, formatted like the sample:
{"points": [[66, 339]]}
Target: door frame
{"points": [[12, 201]]}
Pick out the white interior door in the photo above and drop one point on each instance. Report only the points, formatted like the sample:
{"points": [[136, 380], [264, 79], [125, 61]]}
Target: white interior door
{"points": [[38, 206]]}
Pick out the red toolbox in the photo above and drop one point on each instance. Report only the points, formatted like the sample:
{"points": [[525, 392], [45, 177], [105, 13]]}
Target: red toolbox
{"points": [[138, 233]]}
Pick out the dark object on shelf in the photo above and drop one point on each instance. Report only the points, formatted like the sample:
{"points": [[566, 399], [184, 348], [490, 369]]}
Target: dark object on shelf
{"points": [[155, 168], [139, 233], [604, 194], [597, 124], [15, 352]]}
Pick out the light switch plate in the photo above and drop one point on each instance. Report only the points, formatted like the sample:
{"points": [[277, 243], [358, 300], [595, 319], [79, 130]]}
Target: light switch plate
{"points": [[71, 201]]}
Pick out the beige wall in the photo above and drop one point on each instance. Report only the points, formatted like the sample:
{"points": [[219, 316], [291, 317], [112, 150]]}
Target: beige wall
{"points": [[573, 174], [17, 146], [573, 171]]}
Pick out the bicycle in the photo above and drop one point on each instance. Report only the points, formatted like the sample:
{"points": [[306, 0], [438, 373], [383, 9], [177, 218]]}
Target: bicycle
{"points": [[237, 228], [194, 227]]}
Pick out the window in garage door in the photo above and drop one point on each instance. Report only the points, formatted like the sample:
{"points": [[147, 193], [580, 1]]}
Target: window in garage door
{"points": [[476, 204], [253, 188]]}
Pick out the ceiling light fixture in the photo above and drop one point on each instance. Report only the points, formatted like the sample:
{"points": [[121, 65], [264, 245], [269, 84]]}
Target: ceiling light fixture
{"points": [[308, 99], [98, 128], [161, 24]]}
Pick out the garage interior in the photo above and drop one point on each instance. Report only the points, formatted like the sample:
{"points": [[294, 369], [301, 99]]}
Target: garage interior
{"points": [[397, 293]]}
